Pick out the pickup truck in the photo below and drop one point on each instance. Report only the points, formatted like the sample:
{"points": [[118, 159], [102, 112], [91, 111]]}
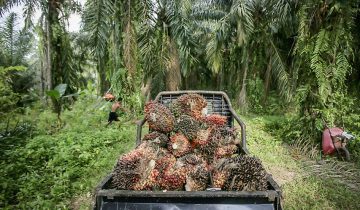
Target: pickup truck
{"points": [[210, 199]]}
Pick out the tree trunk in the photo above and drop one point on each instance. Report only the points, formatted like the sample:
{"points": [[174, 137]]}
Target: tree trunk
{"points": [[242, 95], [129, 54], [267, 81], [173, 74], [48, 64], [103, 84], [146, 89]]}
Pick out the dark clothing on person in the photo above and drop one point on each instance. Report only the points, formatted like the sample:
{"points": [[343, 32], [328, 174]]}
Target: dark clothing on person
{"points": [[113, 117]]}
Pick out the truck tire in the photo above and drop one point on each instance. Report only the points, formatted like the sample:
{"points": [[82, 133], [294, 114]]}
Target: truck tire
{"points": [[344, 154]]}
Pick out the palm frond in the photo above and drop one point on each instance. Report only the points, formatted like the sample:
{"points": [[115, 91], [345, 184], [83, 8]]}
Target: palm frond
{"points": [[279, 71], [96, 19]]}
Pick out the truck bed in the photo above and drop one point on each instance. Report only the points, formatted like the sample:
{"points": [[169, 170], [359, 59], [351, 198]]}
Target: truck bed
{"points": [[218, 103], [111, 199]]}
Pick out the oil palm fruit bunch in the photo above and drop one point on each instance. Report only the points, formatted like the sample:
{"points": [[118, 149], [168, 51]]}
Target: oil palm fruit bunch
{"points": [[201, 138], [164, 161], [172, 178], [187, 126], [197, 179], [129, 167], [209, 147], [226, 151], [179, 145], [192, 160], [215, 119], [229, 134], [189, 104], [159, 117], [219, 174], [245, 173], [146, 181], [156, 138]]}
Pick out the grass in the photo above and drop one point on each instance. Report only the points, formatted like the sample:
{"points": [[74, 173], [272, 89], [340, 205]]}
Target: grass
{"points": [[302, 186]]}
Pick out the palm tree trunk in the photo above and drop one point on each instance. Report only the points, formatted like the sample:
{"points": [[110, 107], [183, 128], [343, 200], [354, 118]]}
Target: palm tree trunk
{"points": [[48, 64], [267, 81], [146, 89], [242, 95], [103, 84], [129, 54], [173, 74]]}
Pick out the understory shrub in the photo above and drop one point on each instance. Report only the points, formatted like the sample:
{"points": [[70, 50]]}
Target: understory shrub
{"points": [[46, 170]]}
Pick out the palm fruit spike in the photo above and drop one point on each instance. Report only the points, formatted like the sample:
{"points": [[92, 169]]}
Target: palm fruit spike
{"points": [[188, 126], [159, 117], [201, 138], [145, 182], [219, 174], [219, 178], [165, 161], [156, 138], [226, 151], [172, 179], [213, 142], [160, 160], [192, 159], [216, 120], [125, 174], [179, 145], [133, 167], [246, 173], [229, 134], [173, 176], [189, 104], [197, 179]]}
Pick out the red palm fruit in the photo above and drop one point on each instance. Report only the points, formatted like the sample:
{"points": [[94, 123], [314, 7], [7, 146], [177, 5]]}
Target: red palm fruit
{"points": [[173, 178], [201, 138], [156, 138], [246, 173], [226, 151], [159, 117], [125, 174], [188, 126], [215, 120], [197, 178], [179, 145], [208, 148], [133, 167], [165, 161], [219, 173], [189, 104], [219, 178]]}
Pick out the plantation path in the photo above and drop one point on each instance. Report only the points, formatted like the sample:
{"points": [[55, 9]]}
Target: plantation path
{"points": [[305, 182]]}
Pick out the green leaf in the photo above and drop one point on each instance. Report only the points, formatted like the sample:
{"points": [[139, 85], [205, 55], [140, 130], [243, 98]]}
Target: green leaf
{"points": [[61, 88], [53, 94]]}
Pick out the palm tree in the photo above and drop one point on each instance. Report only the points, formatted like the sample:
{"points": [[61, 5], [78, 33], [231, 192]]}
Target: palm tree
{"points": [[15, 44], [244, 38], [324, 51]]}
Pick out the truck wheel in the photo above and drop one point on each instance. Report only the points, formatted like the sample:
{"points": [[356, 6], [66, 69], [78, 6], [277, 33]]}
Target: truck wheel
{"points": [[344, 154]]}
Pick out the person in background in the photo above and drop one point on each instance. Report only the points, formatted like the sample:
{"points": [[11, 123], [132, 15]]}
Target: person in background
{"points": [[113, 116]]}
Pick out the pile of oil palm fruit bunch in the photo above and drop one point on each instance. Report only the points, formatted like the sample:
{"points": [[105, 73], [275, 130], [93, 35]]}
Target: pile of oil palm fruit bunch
{"points": [[188, 150]]}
